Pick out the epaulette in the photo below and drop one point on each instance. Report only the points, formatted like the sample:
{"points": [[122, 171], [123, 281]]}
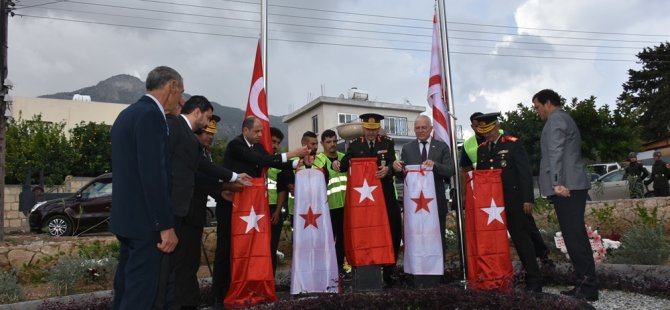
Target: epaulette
{"points": [[509, 138], [485, 143], [385, 138]]}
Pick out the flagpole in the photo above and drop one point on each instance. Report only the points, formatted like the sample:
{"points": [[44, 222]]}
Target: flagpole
{"points": [[442, 19], [264, 44]]}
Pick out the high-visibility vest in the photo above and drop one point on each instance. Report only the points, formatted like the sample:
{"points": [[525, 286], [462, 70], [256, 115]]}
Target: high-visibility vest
{"points": [[337, 181], [272, 185]]}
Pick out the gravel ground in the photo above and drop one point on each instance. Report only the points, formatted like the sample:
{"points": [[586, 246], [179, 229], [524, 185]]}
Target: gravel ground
{"points": [[609, 299]]}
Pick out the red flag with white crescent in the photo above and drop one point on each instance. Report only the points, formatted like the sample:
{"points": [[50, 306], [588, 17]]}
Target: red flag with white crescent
{"points": [[436, 94], [252, 281], [488, 256], [257, 102], [367, 235]]}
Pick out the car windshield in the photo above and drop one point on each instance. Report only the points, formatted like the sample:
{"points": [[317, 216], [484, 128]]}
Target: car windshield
{"points": [[97, 189], [613, 177]]}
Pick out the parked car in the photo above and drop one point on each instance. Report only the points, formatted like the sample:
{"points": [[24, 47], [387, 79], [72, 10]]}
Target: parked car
{"points": [[86, 210], [604, 168], [613, 185]]}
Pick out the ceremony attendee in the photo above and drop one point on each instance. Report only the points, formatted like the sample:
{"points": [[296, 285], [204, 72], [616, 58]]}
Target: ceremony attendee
{"points": [[371, 144], [660, 173], [636, 173], [336, 183], [142, 217], [505, 152], [276, 204], [243, 154], [186, 157], [563, 180], [425, 150]]}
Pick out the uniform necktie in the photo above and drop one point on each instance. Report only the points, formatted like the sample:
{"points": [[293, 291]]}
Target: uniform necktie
{"points": [[424, 154], [372, 147]]}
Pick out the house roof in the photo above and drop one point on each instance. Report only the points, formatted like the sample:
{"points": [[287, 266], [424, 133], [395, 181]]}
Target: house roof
{"points": [[321, 100]]}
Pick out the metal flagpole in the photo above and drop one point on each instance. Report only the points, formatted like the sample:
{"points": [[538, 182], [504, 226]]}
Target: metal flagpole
{"points": [[446, 69], [264, 44]]}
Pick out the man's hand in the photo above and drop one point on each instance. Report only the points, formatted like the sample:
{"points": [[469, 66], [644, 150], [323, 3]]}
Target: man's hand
{"points": [[291, 188], [309, 160], [168, 241], [227, 195], [562, 191], [528, 207], [233, 187], [244, 179], [276, 216], [299, 152], [382, 172], [336, 166], [428, 163], [397, 165]]}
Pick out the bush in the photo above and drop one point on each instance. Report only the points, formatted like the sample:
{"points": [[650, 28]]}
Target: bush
{"points": [[66, 273], [10, 291], [643, 245]]}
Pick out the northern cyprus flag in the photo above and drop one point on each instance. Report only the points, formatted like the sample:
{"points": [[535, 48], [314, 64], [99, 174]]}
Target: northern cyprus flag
{"points": [[423, 245], [314, 265]]}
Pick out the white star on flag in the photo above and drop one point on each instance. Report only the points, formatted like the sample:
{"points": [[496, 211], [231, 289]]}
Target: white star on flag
{"points": [[494, 212], [252, 220], [365, 191]]}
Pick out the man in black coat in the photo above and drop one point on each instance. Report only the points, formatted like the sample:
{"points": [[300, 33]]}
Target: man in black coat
{"points": [[371, 144], [660, 173], [502, 151], [142, 217], [244, 154]]}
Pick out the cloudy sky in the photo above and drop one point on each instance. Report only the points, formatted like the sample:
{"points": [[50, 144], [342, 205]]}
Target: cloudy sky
{"points": [[501, 52]]}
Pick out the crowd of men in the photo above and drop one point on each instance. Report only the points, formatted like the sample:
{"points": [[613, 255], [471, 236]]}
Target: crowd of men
{"points": [[163, 173]]}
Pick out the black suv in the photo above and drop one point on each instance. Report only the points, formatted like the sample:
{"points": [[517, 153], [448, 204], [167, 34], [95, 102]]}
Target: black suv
{"points": [[86, 210]]}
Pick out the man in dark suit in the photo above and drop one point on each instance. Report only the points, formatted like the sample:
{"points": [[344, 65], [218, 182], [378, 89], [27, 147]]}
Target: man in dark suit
{"points": [[502, 151], [142, 217], [432, 153], [186, 158], [243, 154], [563, 180], [371, 144]]}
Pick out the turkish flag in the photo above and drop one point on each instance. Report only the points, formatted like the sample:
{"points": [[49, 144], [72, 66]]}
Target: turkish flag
{"points": [[423, 244], [367, 236], [257, 102], [314, 263], [252, 281], [488, 257]]}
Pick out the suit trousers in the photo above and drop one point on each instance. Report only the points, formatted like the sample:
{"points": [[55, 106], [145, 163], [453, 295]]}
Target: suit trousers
{"points": [[165, 297], [541, 250], [136, 279], [570, 213], [187, 263], [337, 222], [221, 278]]}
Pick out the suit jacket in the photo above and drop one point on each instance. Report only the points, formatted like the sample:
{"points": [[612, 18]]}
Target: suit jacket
{"points": [[443, 168], [140, 163], [187, 158], [204, 186], [561, 162], [509, 155], [241, 158]]}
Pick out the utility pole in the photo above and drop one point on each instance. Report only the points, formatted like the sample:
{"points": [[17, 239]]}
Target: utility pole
{"points": [[6, 7]]}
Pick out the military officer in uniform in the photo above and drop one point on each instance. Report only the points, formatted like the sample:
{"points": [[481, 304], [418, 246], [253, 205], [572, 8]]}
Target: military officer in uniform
{"points": [[660, 173], [502, 151], [371, 144], [635, 174]]}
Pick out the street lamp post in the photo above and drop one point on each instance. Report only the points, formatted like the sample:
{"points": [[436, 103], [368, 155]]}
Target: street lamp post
{"points": [[6, 7]]}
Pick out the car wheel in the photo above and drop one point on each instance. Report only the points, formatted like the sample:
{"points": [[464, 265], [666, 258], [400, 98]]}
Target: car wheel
{"points": [[59, 225], [210, 220]]}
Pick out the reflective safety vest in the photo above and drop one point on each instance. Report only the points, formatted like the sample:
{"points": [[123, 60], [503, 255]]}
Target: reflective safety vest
{"points": [[337, 181], [272, 185]]}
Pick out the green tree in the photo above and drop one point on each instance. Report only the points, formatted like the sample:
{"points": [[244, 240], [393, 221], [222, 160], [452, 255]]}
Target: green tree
{"points": [[527, 125], [39, 145], [92, 148], [647, 90], [218, 148]]}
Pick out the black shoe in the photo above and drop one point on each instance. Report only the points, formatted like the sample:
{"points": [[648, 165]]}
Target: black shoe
{"points": [[571, 292], [592, 296], [547, 263], [533, 288]]}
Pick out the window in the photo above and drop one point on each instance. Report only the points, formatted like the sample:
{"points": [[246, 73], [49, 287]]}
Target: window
{"points": [[315, 124], [100, 188], [343, 118], [394, 125]]}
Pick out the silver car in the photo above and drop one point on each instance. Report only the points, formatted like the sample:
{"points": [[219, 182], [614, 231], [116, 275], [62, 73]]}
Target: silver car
{"points": [[612, 185]]}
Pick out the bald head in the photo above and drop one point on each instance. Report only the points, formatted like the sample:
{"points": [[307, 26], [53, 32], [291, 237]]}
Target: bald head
{"points": [[423, 126]]}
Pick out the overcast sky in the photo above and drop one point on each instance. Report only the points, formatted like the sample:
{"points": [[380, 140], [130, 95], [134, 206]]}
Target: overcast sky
{"points": [[215, 47]]}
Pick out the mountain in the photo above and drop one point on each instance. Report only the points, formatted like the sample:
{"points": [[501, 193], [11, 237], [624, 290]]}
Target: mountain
{"points": [[126, 89]]}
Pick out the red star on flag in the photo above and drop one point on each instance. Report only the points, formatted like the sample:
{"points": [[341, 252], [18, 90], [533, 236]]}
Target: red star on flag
{"points": [[310, 218], [422, 203]]}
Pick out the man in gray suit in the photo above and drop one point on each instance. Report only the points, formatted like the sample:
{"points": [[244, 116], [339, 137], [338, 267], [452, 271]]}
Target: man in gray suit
{"points": [[430, 152], [563, 180]]}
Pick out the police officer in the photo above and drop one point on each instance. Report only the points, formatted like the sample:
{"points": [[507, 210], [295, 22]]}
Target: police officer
{"points": [[660, 173], [371, 144], [635, 174], [502, 151]]}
